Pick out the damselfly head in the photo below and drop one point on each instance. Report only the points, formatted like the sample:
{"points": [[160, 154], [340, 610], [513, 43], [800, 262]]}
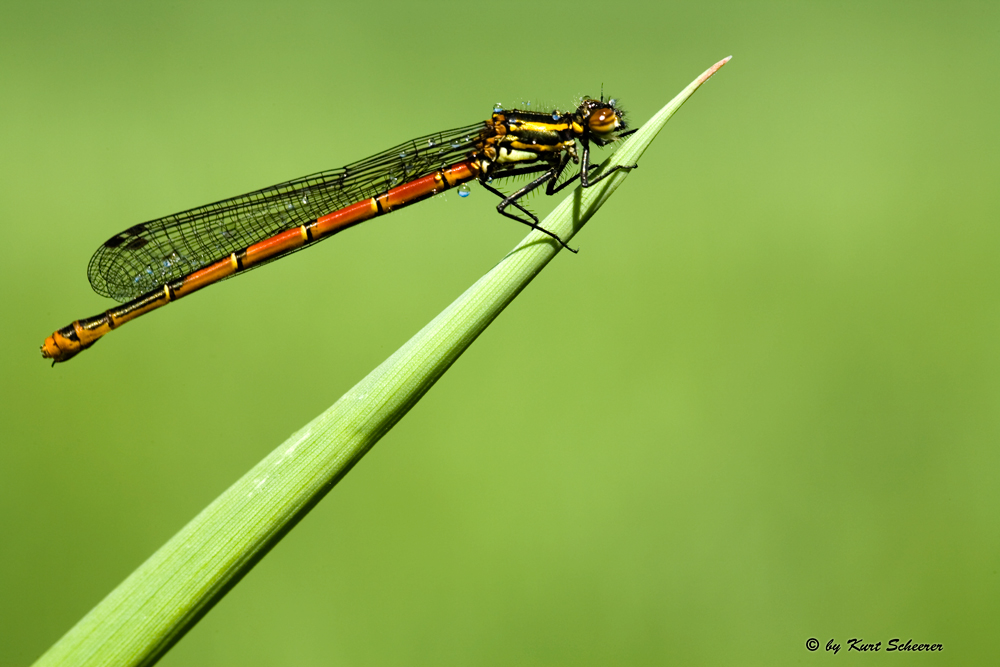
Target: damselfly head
{"points": [[602, 118]]}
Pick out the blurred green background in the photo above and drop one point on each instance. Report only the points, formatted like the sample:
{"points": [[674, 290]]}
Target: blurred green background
{"points": [[761, 405]]}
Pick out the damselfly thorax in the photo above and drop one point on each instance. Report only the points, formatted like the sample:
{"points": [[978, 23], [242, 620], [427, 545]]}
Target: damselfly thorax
{"points": [[153, 263]]}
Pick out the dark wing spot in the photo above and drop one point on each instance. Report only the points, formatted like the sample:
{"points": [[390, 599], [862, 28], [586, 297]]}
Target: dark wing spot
{"points": [[136, 243], [114, 241]]}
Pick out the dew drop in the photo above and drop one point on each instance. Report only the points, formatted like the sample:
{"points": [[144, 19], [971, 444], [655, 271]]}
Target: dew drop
{"points": [[171, 259], [464, 190]]}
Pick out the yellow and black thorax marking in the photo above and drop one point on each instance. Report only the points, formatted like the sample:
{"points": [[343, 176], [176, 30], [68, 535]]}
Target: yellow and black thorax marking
{"points": [[159, 261], [527, 136]]}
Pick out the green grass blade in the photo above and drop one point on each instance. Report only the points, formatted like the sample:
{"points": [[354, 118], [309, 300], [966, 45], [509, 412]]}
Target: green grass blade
{"points": [[153, 608]]}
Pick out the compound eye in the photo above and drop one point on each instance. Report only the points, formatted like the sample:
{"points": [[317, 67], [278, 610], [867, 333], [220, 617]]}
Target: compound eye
{"points": [[603, 121]]}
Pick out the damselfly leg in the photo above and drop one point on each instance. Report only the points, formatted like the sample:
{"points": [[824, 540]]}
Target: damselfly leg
{"points": [[159, 261], [551, 176]]}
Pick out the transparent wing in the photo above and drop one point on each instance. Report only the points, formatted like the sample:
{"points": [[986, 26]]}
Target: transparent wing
{"points": [[151, 254]]}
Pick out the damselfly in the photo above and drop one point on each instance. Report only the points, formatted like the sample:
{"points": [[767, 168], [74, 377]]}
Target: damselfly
{"points": [[153, 263]]}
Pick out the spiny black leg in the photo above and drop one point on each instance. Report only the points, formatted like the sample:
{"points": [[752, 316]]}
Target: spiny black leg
{"points": [[602, 176], [514, 197], [569, 181], [585, 167], [512, 200], [552, 187]]}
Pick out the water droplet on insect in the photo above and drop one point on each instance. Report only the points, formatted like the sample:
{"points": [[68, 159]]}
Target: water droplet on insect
{"points": [[555, 115], [403, 154], [171, 259], [497, 108], [463, 190], [305, 199], [430, 142]]}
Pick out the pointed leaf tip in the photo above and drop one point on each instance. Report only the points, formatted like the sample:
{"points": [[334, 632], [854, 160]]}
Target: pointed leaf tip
{"points": [[712, 70]]}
